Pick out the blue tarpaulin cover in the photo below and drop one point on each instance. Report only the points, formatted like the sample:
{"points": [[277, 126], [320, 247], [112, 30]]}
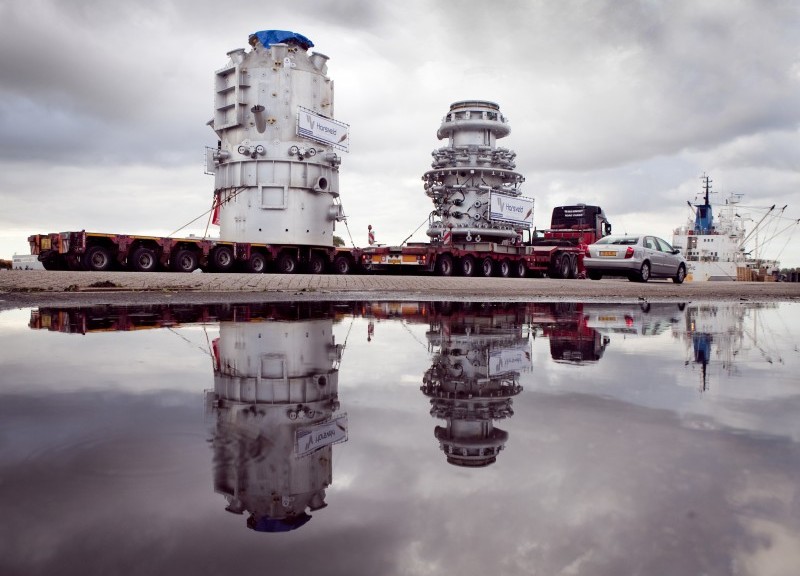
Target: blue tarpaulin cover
{"points": [[267, 524], [267, 37]]}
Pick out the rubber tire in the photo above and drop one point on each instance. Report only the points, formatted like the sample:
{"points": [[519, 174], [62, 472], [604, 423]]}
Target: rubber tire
{"points": [[594, 275], [467, 265], [644, 273], [316, 264], [143, 260], [573, 266], [504, 269], [97, 259], [342, 265], [287, 263], [487, 267], [444, 265], [680, 276], [54, 263], [522, 269], [257, 263], [184, 261], [222, 259]]}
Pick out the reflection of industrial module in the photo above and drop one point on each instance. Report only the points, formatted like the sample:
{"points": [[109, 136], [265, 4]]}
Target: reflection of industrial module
{"points": [[474, 375], [275, 392]]}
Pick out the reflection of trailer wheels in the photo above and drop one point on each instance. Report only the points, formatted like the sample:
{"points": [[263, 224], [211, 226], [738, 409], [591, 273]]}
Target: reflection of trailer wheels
{"points": [[97, 259], [287, 263], [257, 263], [342, 265], [444, 265], [522, 269], [316, 264], [487, 267], [221, 259], [184, 261], [144, 260], [505, 268], [467, 266]]}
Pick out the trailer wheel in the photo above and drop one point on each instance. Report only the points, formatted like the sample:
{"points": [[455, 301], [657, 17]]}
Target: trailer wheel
{"points": [[522, 269], [287, 263], [504, 268], [316, 264], [257, 263], [468, 266], [342, 265], [560, 266], [97, 259], [222, 259], [444, 265], [487, 267], [144, 260], [54, 263], [573, 266], [184, 261]]}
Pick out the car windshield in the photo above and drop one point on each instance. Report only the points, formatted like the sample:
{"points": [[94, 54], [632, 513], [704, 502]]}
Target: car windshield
{"points": [[619, 240]]}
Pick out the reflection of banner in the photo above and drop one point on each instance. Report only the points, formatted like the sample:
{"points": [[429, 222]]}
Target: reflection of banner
{"points": [[319, 435], [504, 360], [514, 209], [325, 130]]}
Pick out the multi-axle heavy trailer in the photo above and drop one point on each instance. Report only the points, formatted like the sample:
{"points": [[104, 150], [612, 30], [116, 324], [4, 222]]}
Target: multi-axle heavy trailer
{"points": [[276, 194]]}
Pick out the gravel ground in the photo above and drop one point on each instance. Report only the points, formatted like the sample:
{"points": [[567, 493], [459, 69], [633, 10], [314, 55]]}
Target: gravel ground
{"points": [[25, 288]]}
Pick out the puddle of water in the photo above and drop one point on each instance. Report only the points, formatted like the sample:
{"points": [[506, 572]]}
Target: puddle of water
{"points": [[386, 438]]}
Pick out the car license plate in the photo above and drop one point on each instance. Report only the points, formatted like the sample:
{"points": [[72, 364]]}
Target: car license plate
{"points": [[608, 252]]}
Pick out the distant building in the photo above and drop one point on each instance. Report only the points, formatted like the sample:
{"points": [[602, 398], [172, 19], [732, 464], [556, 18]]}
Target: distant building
{"points": [[26, 262]]}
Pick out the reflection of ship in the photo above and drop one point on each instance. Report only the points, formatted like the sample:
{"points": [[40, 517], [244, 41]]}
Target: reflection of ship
{"points": [[717, 335], [719, 248]]}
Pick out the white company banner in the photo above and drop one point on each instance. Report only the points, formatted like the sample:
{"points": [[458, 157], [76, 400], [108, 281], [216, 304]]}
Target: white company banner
{"points": [[326, 130], [514, 209]]}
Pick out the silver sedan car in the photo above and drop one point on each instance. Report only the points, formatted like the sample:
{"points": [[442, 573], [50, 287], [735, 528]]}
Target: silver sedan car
{"points": [[637, 256]]}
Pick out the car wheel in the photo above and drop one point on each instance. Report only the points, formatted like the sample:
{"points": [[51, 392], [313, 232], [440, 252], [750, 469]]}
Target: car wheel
{"points": [[680, 276], [594, 275], [644, 272]]}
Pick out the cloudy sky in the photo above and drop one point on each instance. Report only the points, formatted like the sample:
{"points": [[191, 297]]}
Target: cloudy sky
{"points": [[621, 103]]}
